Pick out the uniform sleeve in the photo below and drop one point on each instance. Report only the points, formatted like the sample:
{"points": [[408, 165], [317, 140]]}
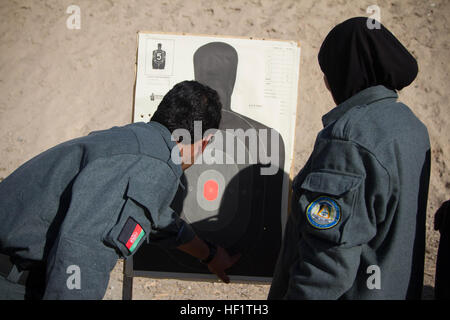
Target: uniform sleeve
{"points": [[337, 208], [80, 260], [117, 203], [174, 234], [155, 193]]}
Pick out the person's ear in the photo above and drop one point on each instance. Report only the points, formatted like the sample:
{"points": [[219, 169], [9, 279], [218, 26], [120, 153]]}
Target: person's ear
{"points": [[206, 141], [180, 147], [204, 144]]}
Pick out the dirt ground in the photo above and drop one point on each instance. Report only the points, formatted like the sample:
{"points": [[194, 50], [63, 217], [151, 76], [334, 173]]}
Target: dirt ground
{"points": [[57, 84]]}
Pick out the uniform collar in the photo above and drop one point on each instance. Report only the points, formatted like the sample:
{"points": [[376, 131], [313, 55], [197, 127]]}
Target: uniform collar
{"points": [[366, 96], [165, 133], [167, 136]]}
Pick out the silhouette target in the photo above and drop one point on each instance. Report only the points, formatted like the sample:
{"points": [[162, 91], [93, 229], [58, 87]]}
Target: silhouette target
{"points": [[230, 204]]}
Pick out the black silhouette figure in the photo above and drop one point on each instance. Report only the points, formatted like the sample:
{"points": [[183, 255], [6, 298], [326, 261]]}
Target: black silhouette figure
{"points": [[245, 214]]}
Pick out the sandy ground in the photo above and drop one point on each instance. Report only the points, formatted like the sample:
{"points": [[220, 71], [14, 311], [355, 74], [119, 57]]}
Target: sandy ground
{"points": [[57, 84]]}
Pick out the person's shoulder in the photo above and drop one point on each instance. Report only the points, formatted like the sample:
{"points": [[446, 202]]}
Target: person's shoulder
{"points": [[378, 123], [119, 134], [139, 138]]}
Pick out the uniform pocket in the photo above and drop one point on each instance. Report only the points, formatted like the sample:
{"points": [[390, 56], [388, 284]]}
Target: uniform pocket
{"points": [[331, 183], [79, 270]]}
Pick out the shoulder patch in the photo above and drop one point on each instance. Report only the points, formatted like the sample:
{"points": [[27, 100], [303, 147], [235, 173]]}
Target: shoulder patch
{"points": [[131, 234], [323, 213]]}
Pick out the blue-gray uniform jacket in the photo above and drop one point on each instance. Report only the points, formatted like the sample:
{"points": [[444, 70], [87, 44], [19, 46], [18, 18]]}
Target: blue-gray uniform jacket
{"points": [[84, 203], [357, 224]]}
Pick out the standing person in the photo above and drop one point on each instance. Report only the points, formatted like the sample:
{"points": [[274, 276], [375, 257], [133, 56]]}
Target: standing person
{"points": [[357, 225], [68, 214], [442, 279]]}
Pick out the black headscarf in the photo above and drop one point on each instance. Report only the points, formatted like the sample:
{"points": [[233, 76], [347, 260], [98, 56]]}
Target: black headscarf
{"points": [[354, 57]]}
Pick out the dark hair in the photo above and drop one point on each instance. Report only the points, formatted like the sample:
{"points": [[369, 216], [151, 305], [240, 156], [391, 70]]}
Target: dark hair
{"points": [[186, 102]]}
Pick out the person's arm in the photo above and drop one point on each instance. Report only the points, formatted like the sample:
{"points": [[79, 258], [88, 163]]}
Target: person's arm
{"points": [[179, 234], [352, 182], [169, 231], [80, 258], [196, 248], [219, 263]]}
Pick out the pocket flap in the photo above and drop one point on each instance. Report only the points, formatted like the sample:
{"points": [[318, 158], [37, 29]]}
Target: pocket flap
{"points": [[155, 195], [153, 189], [333, 183], [145, 193]]}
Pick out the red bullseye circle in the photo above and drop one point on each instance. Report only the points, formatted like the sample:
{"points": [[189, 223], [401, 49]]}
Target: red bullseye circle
{"points": [[210, 190]]}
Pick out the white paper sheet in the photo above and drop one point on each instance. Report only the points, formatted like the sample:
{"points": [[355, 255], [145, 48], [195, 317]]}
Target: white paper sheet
{"points": [[266, 87]]}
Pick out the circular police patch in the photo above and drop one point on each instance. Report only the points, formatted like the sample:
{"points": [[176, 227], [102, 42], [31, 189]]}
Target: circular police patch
{"points": [[323, 213]]}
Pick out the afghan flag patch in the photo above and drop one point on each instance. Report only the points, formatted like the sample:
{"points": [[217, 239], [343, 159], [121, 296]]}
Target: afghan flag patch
{"points": [[131, 234]]}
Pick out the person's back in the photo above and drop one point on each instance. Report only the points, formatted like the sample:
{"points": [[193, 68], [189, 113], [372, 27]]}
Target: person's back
{"points": [[393, 136], [23, 231]]}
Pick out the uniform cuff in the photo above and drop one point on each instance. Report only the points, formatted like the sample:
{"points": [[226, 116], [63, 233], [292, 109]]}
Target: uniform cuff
{"points": [[185, 235]]}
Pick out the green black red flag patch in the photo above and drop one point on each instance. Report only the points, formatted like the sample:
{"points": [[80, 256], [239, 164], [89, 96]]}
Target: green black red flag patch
{"points": [[131, 234]]}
